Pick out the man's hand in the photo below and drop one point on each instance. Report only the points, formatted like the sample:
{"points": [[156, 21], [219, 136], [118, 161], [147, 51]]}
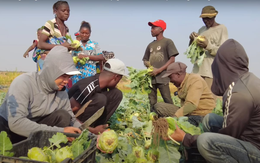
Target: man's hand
{"points": [[72, 130], [155, 72], [203, 44], [178, 135], [179, 113], [147, 64], [81, 56], [68, 45], [98, 129], [193, 35]]}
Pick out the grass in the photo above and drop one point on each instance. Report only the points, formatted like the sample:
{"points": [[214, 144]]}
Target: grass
{"points": [[123, 86], [6, 78]]}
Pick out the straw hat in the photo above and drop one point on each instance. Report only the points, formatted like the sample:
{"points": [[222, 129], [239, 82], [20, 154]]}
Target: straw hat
{"points": [[208, 12]]}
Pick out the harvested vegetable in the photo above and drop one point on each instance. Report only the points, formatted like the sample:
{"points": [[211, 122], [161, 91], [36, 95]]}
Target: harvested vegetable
{"points": [[141, 160], [75, 43], [195, 52], [82, 61], [140, 79], [153, 155], [108, 141], [138, 151], [63, 153], [59, 150], [153, 116], [38, 154]]}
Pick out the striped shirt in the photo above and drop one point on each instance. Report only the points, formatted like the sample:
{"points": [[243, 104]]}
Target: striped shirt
{"points": [[51, 29], [85, 89]]}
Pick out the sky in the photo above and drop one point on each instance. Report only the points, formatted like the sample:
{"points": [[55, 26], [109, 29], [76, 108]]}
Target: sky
{"points": [[121, 26]]}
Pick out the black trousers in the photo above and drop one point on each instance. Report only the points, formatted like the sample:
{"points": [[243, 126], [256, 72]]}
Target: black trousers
{"points": [[109, 99], [59, 118], [165, 92]]}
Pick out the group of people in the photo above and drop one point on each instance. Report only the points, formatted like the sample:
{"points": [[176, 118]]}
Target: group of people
{"points": [[38, 101], [224, 73]]}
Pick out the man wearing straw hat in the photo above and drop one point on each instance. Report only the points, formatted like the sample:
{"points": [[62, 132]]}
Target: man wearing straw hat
{"points": [[216, 34]]}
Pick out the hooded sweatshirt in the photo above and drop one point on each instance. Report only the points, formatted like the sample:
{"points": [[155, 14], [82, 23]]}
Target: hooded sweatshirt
{"points": [[240, 90], [32, 96]]}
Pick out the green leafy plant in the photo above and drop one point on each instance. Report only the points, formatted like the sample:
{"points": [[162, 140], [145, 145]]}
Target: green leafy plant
{"points": [[140, 80], [195, 52], [5, 145], [59, 149]]}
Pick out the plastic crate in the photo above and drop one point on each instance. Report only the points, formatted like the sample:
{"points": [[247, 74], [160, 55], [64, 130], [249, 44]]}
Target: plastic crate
{"points": [[194, 156], [40, 139]]}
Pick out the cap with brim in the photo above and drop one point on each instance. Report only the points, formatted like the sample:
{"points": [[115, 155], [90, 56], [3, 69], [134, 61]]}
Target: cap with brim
{"points": [[73, 73], [158, 23], [71, 69], [175, 67], [76, 34], [208, 12], [116, 66]]}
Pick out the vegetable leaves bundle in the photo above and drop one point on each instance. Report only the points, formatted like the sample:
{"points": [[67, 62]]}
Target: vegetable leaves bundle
{"points": [[195, 52]]}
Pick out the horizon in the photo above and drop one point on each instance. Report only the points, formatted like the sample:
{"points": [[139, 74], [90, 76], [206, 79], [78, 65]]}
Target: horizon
{"points": [[121, 26]]}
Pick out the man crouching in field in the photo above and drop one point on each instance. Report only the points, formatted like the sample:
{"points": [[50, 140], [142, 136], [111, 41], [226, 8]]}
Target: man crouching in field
{"points": [[96, 98], [196, 97], [37, 101]]}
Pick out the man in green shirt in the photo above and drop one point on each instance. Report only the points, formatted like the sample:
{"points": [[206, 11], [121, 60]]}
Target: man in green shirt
{"points": [[159, 53]]}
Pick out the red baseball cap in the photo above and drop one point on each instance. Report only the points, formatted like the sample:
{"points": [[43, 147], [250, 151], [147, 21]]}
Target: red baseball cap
{"points": [[76, 34], [158, 23]]}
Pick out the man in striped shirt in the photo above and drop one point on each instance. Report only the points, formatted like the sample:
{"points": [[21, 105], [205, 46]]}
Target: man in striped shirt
{"points": [[101, 90]]}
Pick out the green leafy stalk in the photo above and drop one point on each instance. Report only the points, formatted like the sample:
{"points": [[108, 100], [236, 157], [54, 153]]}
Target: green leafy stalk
{"points": [[5, 145], [69, 38], [57, 139], [173, 140]]}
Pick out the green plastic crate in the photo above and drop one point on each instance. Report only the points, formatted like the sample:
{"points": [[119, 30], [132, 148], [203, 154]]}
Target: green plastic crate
{"points": [[40, 139]]}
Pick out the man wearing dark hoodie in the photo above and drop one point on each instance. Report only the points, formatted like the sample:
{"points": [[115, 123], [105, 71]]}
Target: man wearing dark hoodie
{"points": [[37, 101], [237, 137]]}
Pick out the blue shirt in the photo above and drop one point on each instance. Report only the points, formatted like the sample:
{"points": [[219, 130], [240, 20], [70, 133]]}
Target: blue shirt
{"points": [[90, 68]]}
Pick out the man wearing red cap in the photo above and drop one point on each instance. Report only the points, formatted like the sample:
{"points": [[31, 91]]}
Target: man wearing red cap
{"points": [[159, 53]]}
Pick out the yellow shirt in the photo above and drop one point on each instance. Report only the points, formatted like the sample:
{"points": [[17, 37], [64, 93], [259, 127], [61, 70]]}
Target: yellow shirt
{"points": [[196, 97]]}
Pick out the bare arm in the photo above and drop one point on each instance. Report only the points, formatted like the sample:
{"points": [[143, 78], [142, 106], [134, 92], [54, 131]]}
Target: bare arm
{"points": [[43, 44], [26, 54], [93, 57], [164, 67], [101, 65]]}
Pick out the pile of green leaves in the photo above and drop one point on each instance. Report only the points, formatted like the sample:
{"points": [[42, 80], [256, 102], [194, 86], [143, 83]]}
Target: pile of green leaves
{"points": [[140, 79], [5, 145], [58, 150], [195, 53], [183, 123], [132, 123], [2, 97], [57, 153], [218, 109]]}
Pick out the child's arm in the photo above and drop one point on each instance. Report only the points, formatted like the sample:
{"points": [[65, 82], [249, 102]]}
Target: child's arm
{"points": [[26, 54]]}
